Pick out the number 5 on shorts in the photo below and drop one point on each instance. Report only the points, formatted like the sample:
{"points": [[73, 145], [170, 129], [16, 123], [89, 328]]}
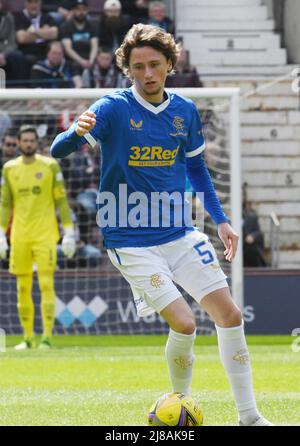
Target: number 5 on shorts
{"points": [[206, 255]]}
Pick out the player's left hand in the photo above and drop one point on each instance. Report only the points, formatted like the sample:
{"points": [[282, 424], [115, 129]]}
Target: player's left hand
{"points": [[230, 240], [68, 243]]}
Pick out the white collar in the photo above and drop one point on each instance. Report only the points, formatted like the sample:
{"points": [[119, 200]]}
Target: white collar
{"points": [[147, 104]]}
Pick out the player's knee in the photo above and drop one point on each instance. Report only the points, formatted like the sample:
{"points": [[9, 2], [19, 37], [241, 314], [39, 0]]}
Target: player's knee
{"points": [[46, 284], [23, 289], [233, 318], [187, 326], [46, 288]]}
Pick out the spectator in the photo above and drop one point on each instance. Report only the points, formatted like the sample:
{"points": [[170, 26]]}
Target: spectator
{"points": [[136, 10], [9, 147], [185, 75], [253, 240], [113, 25], [55, 71], [11, 59], [34, 30], [79, 37], [59, 10], [158, 17], [104, 74], [5, 123]]}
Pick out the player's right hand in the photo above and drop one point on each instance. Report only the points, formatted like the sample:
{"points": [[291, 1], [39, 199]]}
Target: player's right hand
{"points": [[86, 122], [230, 240], [3, 245]]}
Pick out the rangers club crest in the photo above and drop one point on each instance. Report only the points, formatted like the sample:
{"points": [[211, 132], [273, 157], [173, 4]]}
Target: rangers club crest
{"points": [[179, 127]]}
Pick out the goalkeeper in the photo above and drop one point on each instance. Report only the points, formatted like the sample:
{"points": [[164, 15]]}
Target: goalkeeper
{"points": [[32, 189]]}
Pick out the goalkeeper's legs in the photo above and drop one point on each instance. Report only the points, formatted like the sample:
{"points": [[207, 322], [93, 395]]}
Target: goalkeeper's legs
{"points": [[233, 351], [25, 304], [179, 348], [46, 283]]}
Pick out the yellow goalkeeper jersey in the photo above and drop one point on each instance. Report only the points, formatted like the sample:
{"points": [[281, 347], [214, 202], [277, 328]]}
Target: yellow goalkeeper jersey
{"points": [[31, 193]]}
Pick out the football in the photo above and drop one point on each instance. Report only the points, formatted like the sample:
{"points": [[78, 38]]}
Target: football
{"points": [[175, 409]]}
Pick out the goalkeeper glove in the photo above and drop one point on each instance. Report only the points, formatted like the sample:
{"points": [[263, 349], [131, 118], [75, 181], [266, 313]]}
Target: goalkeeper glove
{"points": [[68, 243], [3, 245]]}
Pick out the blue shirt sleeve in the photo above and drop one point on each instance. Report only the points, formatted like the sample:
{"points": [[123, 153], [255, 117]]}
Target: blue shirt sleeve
{"points": [[200, 179], [104, 111], [68, 141], [195, 143]]}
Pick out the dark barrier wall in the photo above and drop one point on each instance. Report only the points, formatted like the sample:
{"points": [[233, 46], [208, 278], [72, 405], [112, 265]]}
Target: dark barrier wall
{"points": [[274, 297], [96, 303]]}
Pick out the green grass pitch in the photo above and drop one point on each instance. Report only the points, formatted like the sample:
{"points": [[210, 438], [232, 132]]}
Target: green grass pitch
{"points": [[113, 380]]}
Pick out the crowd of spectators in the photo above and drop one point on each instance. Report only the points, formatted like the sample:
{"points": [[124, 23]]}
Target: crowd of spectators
{"points": [[71, 43]]}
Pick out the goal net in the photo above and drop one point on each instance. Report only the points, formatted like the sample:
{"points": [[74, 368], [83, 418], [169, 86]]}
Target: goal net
{"points": [[92, 297]]}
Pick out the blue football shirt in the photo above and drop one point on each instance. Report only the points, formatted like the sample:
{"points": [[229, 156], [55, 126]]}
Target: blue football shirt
{"points": [[144, 149]]}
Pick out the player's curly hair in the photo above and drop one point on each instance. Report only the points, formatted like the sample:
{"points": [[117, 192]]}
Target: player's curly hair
{"points": [[141, 35]]}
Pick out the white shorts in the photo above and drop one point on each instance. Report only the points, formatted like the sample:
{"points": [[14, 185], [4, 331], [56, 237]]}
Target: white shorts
{"points": [[152, 272]]}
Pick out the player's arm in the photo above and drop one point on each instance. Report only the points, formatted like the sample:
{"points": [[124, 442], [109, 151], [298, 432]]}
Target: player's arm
{"points": [[62, 205], [99, 122], [201, 181], [73, 138], [6, 209], [6, 201]]}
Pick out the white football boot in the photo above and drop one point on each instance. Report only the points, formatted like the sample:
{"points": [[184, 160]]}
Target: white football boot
{"points": [[260, 421]]}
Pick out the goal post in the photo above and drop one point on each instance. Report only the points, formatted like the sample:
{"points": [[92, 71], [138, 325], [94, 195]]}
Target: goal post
{"points": [[219, 108], [236, 197]]}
